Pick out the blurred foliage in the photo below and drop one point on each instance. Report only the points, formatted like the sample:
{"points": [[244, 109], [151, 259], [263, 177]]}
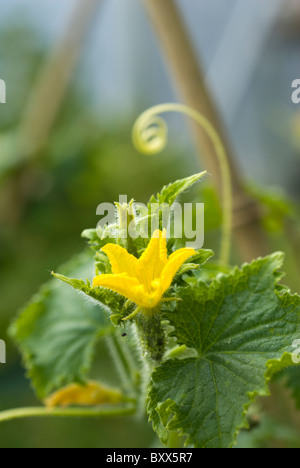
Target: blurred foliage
{"points": [[269, 434], [47, 202], [277, 208]]}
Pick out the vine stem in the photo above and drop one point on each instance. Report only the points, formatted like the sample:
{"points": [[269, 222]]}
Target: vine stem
{"points": [[147, 369], [42, 412], [150, 135]]}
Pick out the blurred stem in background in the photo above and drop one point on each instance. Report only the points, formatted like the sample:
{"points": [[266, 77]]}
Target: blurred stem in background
{"points": [[53, 80], [44, 104], [188, 77], [47, 98]]}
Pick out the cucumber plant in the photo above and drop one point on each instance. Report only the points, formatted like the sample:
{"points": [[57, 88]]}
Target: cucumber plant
{"points": [[194, 339]]}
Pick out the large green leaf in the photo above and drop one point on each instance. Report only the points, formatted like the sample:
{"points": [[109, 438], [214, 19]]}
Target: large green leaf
{"points": [[57, 332], [242, 327]]}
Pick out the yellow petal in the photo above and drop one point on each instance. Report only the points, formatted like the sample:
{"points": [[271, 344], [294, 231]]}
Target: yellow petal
{"points": [[121, 261], [152, 262], [92, 394], [148, 300], [174, 263], [122, 284]]}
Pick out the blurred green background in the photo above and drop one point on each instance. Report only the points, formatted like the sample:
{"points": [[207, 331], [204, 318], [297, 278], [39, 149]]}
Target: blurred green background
{"points": [[50, 189]]}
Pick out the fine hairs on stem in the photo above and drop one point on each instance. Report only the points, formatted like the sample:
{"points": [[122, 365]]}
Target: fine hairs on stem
{"points": [[150, 136]]}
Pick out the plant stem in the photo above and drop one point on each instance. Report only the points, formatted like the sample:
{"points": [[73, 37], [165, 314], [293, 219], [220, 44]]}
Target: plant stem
{"points": [[147, 368], [42, 412], [43, 106], [149, 139]]}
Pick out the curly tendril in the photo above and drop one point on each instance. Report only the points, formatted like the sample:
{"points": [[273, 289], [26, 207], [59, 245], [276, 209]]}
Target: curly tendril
{"points": [[150, 136]]}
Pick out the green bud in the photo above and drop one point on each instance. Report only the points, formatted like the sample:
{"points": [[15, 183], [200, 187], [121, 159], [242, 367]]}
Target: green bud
{"points": [[126, 217]]}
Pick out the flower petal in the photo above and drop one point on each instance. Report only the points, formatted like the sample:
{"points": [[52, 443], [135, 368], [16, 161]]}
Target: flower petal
{"points": [[148, 300], [122, 284], [174, 263], [121, 261], [91, 394], [152, 262]]}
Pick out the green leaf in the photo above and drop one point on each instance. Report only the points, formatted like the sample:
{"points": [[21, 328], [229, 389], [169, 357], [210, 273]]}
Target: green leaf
{"points": [[202, 256], [242, 327], [58, 330], [171, 192], [106, 297]]}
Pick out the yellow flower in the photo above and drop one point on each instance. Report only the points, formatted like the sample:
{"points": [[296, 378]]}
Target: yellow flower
{"points": [[143, 280]]}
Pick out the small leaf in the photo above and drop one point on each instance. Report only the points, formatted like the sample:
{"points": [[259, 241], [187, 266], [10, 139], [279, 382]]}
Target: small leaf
{"points": [[103, 296], [171, 192], [200, 259]]}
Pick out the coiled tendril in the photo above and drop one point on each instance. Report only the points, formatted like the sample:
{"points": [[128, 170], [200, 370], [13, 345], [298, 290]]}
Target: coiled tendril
{"points": [[150, 133], [150, 136]]}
